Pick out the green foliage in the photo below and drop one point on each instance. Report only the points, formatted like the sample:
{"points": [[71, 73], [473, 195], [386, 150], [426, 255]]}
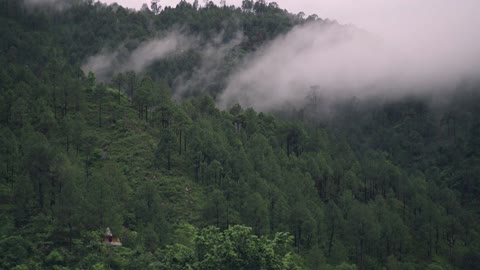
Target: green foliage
{"points": [[54, 258], [237, 248], [344, 266], [15, 250]]}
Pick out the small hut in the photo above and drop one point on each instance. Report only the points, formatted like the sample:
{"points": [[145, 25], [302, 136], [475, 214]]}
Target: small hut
{"points": [[111, 240]]}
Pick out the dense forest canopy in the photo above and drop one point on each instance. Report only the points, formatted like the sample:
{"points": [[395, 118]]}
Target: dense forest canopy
{"points": [[109, 117]]}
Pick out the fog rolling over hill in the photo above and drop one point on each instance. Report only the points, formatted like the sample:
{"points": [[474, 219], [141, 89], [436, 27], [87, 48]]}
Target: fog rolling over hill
{"points": [[413, 56], [172, 43], [105, 64], [404, 48]]}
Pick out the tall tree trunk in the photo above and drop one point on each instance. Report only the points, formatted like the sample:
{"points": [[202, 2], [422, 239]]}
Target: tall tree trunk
{"points": [[365, 188], [40, 197], [185, 144], [54, 100], [68, 143], [362, 267], [217, 215], [119, 93], [65, 101], [70, 236], [100, 115], [330, 241], [168, 160], [228, 213], [180, 143]]}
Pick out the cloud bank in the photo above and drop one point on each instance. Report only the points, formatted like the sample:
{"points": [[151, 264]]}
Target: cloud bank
{"points": [[215, 56], [57, 5], [41, 2], [214, 66], [428, 53], [109, 62]]}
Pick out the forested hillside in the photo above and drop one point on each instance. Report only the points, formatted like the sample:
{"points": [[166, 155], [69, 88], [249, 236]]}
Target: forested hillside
{"points": [[185, 184]]}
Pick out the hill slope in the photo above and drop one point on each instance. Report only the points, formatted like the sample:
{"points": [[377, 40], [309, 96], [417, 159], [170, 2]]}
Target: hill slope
{"points": [[377, 186]]}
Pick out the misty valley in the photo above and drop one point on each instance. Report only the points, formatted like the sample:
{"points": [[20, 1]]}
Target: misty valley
{"points": [[210, 136]]}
